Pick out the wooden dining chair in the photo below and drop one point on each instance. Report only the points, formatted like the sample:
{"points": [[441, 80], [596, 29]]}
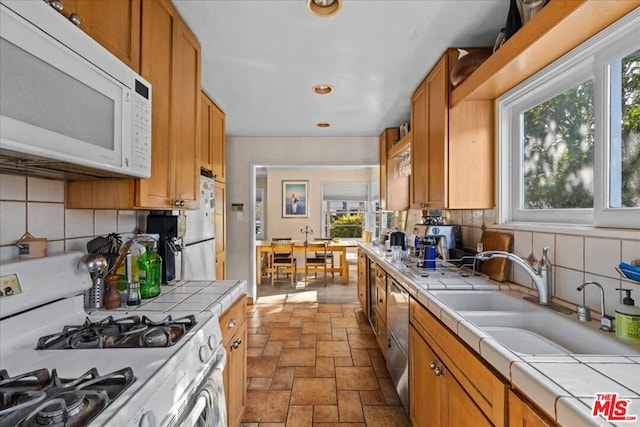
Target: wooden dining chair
{"points": [[315, 257], [283, 255], [285, 261], [328, 255]]}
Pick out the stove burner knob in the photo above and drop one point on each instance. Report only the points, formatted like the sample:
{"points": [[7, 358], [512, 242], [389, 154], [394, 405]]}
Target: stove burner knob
{"points": [[212, 342], [148, 419], [204, 353]]}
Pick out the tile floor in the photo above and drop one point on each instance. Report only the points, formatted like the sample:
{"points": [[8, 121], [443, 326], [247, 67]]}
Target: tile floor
{"points": [[313, 363]]}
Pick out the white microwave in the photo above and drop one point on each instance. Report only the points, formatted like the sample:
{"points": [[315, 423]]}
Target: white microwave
{"points": [[67, 105]]}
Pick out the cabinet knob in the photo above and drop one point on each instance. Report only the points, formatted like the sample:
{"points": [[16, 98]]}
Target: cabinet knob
{"points": [[56, 5], [236, 343], [438, 371], [231, 323], [75, 19], [179, 203], [380, 300], [432, 365]]}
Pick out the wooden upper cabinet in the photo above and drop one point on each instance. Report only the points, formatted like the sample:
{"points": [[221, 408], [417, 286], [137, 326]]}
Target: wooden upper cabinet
{"points": [[206, 132], [387, 138], [115, 24], [170, 61], [186, 115], [213, 139], [419, 155], [452, 151]]}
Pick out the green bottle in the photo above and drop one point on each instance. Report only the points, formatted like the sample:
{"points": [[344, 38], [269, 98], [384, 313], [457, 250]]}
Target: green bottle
{"points": [[150, 264]]}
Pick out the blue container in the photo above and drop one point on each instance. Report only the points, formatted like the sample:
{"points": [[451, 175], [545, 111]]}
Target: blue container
{"points": [[429, 257]]}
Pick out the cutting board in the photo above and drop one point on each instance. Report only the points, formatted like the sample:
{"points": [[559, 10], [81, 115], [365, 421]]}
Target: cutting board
{"points": [[496, 269]]}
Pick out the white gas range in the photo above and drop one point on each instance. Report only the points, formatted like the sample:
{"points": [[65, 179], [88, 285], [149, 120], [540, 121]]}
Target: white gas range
{"points": [[60, 366]]}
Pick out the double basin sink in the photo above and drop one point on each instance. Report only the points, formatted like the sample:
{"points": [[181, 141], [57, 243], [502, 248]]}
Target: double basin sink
{"points": [[526, 327]]}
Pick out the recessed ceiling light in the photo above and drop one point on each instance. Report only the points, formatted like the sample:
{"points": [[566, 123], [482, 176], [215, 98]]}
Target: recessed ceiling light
{"points": [[322, 89], [323, 124], [324, 8]]}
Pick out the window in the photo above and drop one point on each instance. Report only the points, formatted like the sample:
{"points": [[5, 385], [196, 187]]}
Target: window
{"points": [[344, 209], [569, 137], [344, 219]]}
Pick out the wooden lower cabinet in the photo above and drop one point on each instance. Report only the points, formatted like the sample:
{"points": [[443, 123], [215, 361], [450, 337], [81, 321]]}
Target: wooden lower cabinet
{"points": [[437, 399], [234, 334], [362, 279], [522, 414], [447, 381]]}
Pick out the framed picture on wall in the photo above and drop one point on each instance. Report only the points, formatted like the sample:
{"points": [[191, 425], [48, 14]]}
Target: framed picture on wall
{"points": [[294, 199]]}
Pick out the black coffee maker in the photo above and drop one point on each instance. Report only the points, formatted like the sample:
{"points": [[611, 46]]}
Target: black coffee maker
{"points": [[169, 244]]}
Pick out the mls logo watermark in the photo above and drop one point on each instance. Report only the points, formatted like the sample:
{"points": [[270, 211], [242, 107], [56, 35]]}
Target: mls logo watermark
{"points": [[613, 409]]}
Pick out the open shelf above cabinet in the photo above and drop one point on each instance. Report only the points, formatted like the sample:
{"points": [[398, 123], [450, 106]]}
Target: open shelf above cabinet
{"points": [[400, 147], [559, 27]]}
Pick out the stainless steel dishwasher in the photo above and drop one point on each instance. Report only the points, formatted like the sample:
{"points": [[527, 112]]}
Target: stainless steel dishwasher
{"points": [[398, 340]]}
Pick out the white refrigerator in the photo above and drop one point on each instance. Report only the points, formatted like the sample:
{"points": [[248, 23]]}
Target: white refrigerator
{"points": [[199, 246]]}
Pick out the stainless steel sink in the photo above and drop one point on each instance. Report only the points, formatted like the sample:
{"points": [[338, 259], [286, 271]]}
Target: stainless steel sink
{"points": [[528, 328]]}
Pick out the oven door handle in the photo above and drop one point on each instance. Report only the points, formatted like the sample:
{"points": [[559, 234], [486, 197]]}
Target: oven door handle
{"points": [[208, 409]]}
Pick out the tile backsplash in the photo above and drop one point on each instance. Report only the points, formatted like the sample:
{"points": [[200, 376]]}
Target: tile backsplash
{"points": [[36, 205], [578, 254]]}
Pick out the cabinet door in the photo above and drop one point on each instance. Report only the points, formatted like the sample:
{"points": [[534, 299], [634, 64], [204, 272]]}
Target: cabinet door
{"points": [[186, 115], [424, 386], [459, 410], [115, 24], [219, 141], [523, 415], [383, 170], [437, 85], [419, 159], [206, 132], [158, 29], [235, 376], [362, 279], [220, 226]]}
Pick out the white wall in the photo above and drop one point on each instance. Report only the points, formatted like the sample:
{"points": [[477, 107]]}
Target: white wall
{"points": [[290, 227], [243, 154]]}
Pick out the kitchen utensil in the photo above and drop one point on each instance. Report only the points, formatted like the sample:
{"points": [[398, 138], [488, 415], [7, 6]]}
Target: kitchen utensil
{"points": [[112, 299], [92, 263], [124, 249], [99, 245], [95, 264]]}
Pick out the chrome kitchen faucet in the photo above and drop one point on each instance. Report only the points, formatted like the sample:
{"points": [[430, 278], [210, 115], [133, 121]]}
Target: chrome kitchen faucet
{"points": [[541, 274]]}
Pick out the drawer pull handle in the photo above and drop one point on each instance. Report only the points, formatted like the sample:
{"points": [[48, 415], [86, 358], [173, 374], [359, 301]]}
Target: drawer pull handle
{"points": [[231, 323]]}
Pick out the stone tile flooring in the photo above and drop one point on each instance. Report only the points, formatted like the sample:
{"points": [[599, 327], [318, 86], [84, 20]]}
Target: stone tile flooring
{"points": [[316, 364]]}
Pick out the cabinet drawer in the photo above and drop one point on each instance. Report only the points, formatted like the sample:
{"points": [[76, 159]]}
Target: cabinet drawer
{"points": [[487, 390], [233, 318], [381, 335]]}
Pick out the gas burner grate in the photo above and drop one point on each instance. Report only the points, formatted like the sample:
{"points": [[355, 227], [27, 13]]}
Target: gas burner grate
{"points": [[39, 398], [126, 332]]}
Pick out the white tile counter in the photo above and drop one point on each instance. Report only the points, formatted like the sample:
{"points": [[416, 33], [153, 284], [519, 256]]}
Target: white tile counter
{"points": [[215, 296], [564, 386]]}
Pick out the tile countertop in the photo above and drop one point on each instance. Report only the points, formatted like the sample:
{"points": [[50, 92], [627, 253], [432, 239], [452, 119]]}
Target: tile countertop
{"points": [[215, 296], [564, 386]]}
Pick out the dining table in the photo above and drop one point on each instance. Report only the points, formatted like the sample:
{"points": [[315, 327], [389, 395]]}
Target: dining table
{"points": [[340, 246]]}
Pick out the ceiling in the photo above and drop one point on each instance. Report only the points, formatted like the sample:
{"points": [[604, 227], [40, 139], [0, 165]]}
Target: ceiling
{"points": [[260, 59]]}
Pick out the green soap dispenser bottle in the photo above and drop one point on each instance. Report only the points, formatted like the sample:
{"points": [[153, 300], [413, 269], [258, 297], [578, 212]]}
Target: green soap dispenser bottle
{"points": [[627, 318]]}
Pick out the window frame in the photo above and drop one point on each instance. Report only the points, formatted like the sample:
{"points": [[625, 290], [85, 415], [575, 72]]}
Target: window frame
{"points": [[588, 61]]}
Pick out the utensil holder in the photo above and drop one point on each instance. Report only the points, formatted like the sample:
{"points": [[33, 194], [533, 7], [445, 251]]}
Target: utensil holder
{"points": [[94, 296]]}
